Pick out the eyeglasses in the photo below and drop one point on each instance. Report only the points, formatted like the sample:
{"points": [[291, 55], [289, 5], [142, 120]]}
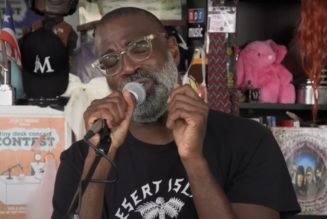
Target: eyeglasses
{"points": [[137, 50]]}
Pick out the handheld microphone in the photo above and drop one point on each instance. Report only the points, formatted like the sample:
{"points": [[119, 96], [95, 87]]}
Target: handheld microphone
{"points": [[138, 94], [137, 91]]}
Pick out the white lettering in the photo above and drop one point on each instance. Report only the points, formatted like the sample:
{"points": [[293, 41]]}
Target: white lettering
{"points": [[46, 64], [169, 185], [146, 190], [157, 183], [186, 188], [127, 205], [177, 185], [135, 197], [120, 215], [195, 32]]}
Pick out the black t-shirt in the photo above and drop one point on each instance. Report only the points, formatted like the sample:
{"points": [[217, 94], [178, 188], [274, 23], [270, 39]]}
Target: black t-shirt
{"points": [[242, 155]]}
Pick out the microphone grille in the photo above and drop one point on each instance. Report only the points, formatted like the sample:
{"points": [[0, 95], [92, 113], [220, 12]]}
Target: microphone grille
{"points": [[137, 90]]}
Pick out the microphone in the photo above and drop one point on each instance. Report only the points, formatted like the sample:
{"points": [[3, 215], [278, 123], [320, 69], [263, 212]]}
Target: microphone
{"points": [[19, 163], [138, 95], [137, 91]]}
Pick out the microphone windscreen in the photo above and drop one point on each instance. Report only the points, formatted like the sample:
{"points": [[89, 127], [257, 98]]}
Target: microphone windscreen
{"points": [[137, 90]]}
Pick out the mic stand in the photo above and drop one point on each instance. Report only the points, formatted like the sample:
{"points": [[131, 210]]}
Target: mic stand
{"points": [[9, 171], [102, 147]]}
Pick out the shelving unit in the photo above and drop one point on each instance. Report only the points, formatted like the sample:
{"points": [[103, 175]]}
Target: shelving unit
{"points": [[272, 106], [308, 217], [276, 20], [254, 110]]}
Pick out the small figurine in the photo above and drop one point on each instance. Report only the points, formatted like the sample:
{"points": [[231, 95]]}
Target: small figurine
{"points": [[46, 51]]}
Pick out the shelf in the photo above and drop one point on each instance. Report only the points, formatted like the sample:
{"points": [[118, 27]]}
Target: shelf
{"points": [[303, 111], [271, 1], [272, 106]]}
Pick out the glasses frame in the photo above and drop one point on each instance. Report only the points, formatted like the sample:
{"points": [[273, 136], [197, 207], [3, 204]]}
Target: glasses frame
{"points": [[97, 63]]}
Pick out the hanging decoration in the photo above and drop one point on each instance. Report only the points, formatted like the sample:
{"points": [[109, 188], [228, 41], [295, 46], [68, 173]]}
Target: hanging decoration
{"points": [[221, 56], [311, 38]]}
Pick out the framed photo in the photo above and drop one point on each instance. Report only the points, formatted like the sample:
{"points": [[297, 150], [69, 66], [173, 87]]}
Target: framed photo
{"points": [[196, 15], [168, 11]]}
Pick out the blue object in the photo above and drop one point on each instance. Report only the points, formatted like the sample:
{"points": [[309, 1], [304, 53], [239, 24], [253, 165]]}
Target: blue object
{"points": [[16, 78]]}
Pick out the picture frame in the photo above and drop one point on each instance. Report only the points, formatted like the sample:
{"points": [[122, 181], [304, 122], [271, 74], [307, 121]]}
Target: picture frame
{"points": [[168, 11], [304, 150]]}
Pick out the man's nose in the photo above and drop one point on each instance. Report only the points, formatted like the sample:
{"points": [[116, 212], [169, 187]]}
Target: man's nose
{"points": [[129, 66]]}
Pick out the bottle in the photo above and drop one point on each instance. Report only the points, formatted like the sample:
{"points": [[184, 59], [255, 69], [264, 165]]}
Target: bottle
{"points": [[252, 93], [7, 92]]}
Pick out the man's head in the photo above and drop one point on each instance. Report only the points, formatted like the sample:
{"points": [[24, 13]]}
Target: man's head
{"points": [[318, 172], [309, 175], [299, 176], [132, 45]]}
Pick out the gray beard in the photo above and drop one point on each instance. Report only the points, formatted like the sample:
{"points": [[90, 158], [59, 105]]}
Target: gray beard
{"points": [[155, 104]]}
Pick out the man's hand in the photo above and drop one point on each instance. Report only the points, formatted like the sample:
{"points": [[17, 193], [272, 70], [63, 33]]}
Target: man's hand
{"points": [[117, 109], [187, 118]]}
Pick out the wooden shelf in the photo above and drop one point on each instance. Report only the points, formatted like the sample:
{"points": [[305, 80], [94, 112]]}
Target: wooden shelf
{"points": [[272, 106], [303, 111]]}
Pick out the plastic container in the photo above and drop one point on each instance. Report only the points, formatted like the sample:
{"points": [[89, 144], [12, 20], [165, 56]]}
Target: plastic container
{"points": [[305, 92]]}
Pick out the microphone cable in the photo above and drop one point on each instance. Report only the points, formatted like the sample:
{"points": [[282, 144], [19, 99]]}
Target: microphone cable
{"points": [[101, 150]]}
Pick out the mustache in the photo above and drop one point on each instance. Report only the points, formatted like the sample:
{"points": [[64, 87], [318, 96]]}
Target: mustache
{"points": [[140, 74]]}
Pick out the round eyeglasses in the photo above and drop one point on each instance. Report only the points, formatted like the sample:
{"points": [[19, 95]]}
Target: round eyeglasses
{"points": [[137, 50]]}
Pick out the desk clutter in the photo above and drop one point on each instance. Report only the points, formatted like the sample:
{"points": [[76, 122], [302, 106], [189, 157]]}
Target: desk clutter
{"points": [[35, 67]]}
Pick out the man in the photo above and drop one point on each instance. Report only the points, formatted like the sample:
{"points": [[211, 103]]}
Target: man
{"points": [[309, 182], [174, 157], [319, 179], [300, 187]]}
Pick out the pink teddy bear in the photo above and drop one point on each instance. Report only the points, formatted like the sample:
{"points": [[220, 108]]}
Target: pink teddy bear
{"points": [[260, 63]]}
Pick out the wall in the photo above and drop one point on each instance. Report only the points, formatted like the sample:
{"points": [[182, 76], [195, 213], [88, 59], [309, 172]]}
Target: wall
{"points": [[260, 20]]}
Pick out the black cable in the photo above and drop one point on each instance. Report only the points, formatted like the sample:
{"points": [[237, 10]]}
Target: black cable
{"points": [[101, 151], [108, 158]]}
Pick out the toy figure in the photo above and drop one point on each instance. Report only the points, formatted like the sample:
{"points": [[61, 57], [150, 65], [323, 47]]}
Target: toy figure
{"points": [[46, 68], [260, 63]]}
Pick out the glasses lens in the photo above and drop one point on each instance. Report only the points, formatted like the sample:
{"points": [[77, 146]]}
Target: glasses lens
{"points": [[109, 62], [139, 49]]}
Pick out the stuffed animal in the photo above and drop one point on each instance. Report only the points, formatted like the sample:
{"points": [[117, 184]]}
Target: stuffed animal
{"points": [[259, 65]]}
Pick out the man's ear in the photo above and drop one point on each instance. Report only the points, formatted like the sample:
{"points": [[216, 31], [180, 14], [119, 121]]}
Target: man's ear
{"points": [[173, 49]]}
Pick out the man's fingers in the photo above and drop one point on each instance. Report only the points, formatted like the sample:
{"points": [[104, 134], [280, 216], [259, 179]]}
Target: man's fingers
{"points": [[130, 103], [112, 109], [184, 90]]}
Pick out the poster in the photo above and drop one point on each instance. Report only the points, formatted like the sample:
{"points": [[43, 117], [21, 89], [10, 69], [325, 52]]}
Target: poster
{"points": [[222, 19], [305, 152], [30, 137], [196, 15], [196, 18], [163, 9]]}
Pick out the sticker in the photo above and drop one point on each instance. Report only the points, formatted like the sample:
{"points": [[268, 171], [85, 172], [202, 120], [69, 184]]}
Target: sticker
{"points": [[222, 19], [196, 31], [196, 15]]}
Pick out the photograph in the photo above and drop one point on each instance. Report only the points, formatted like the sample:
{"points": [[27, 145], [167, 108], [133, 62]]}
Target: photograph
{"points": [[163, 9]]}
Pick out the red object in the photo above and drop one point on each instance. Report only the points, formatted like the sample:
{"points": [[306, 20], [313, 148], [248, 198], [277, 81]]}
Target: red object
{"points": [[285, 123], [218, 96], [8, 34]]}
